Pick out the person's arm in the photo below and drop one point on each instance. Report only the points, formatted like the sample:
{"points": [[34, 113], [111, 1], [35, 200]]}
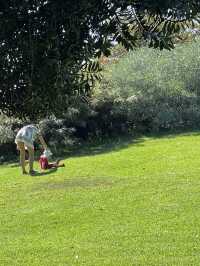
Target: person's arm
{"points": [[42, 141]]}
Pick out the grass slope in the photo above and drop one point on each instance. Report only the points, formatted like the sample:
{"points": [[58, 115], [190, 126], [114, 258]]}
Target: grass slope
{"points": [[133, 205]]}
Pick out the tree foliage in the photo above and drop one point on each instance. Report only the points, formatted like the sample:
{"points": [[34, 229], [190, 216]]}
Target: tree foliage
{"points": [[48, 49]]}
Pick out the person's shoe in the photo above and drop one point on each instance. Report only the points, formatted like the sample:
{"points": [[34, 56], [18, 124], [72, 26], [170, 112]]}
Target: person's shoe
{"points": [[24, 172], [32, 172], [60, 165]]}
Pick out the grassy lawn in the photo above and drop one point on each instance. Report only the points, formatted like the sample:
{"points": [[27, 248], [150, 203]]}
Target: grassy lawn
{"points": [[127, 203]]}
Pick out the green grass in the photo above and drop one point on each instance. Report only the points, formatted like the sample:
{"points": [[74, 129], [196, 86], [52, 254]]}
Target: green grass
{"points": [[131, 203]]}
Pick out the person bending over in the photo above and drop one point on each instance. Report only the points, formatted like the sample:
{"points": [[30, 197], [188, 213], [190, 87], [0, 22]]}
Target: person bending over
{"points": [[25, 140]]}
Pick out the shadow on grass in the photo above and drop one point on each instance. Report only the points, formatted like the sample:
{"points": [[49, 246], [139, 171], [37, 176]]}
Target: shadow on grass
{"points": [[107, 145], [46, 172], [115, 144], [173, 134], [37, 173], [104, 146]]}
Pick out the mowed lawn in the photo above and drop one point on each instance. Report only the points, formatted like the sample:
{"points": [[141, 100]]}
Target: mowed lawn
{"points": [[127, 203]]}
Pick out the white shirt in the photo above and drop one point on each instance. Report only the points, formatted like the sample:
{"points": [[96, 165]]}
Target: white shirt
{"points": [[27, 135]]}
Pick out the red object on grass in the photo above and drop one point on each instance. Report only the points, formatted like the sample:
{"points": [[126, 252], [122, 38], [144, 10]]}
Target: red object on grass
{"points": [[44, 164]]}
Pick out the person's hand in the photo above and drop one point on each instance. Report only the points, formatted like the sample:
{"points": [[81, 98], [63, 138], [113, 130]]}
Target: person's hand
{"points": [[47, 152], [45, 147]]}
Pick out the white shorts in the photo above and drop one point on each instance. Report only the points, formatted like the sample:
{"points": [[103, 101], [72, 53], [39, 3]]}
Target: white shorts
{"points": [[26, 143]]}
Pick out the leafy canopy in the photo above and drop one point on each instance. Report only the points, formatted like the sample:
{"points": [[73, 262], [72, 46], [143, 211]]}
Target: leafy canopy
{"points": [[48, 48]]}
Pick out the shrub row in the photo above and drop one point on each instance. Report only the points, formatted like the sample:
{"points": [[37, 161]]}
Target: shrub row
{"points": [[146, 91]]}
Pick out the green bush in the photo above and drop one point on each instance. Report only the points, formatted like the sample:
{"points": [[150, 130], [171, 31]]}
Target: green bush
{"points": [[8, 130], [153, 90], [57, 135], [146, 91]]}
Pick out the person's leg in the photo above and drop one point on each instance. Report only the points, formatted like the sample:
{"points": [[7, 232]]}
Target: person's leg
{"points": [[54, 165], [51, 165], [59, 164], [31, 159], [21, 148]]}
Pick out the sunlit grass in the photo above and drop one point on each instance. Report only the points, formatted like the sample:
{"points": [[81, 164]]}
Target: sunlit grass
{"points": [[131, 203]]}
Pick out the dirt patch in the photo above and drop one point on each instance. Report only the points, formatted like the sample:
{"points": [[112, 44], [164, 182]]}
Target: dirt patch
{"points": [[75, 183]]}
